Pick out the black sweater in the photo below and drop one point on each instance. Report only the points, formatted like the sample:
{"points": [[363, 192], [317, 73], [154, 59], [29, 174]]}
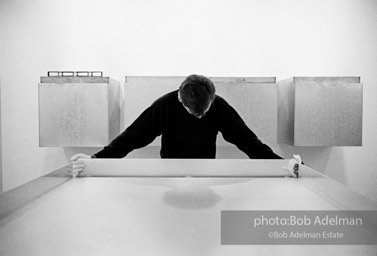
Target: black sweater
{"points": [[184, 135]]}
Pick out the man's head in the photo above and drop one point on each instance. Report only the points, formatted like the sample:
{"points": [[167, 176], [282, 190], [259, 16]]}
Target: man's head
{"points": [[197, 94]]}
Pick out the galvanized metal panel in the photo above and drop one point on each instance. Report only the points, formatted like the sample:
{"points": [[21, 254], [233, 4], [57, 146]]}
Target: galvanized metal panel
{"points": [[328, 114], [321, 111], [286, 106], [73, 114]]}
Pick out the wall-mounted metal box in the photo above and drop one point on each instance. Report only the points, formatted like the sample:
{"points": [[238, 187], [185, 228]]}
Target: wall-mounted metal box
{"points": [[78, 111], [254, 98], [320, 111]]}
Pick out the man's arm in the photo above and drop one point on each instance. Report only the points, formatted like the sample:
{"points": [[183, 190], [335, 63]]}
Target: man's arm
{"points": [[139, 134], [235, 131]]}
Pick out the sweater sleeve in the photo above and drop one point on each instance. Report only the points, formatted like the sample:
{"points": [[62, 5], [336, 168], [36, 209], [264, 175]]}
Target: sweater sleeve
{"points": [[139, 134], [235, 131]]}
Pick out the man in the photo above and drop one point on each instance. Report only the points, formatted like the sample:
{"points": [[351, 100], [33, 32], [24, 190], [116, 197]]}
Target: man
{"points": [[188, 120]]}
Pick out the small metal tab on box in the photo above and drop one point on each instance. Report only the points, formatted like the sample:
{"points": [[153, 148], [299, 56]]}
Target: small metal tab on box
{"points": [[96, 73], [75, 73], [82, 73], [67, 73], [53, 73]]}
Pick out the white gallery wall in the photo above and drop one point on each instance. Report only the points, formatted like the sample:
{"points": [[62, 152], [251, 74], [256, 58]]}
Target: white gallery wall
{"points": [[169, 37]]}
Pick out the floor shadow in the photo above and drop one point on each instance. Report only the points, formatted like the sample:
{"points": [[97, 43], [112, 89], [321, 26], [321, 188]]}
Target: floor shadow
{"points": [[192, 197]]}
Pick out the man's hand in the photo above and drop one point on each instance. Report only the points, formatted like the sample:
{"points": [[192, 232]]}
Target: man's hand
{"points": [[294, 166], [77, 165]]}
